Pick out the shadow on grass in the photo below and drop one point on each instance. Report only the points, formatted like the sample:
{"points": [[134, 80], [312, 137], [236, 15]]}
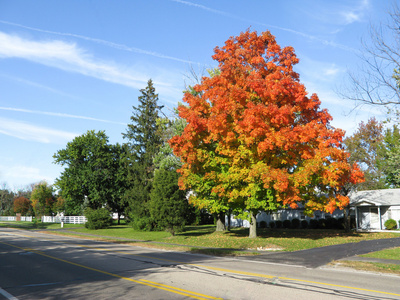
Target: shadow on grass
{"points": [[27, 225], [223, 252], [314, 234]]}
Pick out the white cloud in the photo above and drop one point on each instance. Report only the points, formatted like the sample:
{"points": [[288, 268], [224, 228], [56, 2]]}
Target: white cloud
{"points": [[20, 176], [63, 115], [29, 132], [332, 71], [99, 41], [69, 57], [38, 85], [357, 13]]}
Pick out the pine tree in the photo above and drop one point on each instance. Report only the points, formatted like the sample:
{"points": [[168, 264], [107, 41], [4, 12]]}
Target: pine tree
{"points": [[144, 141]]}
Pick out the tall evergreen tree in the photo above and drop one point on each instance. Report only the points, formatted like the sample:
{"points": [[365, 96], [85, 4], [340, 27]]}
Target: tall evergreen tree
{"points": [[144, 141]]}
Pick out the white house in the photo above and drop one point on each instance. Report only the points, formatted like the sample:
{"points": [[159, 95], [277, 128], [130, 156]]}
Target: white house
{"points": [[373, 208]]}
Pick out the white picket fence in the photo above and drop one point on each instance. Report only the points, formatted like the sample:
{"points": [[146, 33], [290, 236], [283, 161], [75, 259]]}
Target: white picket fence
{"points": [[65, 219], [14, 218]]}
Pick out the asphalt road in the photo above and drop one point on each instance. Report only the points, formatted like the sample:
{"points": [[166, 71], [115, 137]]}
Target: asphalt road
{"points": [[41, 266]]}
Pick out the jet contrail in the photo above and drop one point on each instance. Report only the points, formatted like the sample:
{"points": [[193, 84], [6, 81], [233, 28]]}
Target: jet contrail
{"points": [[63, 115], [102, 42]]}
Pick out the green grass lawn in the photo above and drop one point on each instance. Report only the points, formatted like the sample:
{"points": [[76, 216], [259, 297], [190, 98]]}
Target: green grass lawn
{"points": [[197, 238], [372, 267], [39, 225], [393, 253], [237, 238]]}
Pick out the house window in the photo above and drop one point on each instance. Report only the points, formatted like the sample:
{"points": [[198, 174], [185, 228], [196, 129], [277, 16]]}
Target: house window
{"points": [[276, 216], [302, 216]]}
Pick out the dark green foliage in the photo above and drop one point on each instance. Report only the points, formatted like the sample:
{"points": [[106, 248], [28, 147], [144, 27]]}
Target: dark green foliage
{"points": [[198, 216], [144, 141], [363, 147], [390, 224], [390, 157], [295, 223], [331, 223], [278, 224], [98, 218], [287, 224], [92, 173], [168, 205], [6, 202], [304, 224], [272, 224], [321, 224], [263, 224], [313, 224]]}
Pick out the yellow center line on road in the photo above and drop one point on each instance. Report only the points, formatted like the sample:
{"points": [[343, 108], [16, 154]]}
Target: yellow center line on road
{"points": [[238, 272], [245, 273], [156, 285]]}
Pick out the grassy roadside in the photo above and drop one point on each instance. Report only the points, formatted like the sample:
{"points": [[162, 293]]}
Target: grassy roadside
{"points": [[393, 253], [203, 239]]}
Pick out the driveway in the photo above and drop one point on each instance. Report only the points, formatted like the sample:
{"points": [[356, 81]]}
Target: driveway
{"points": [[317, 257]]}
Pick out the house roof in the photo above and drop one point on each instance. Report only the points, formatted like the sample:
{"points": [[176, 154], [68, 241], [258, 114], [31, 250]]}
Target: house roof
{"points": [[386, 197]]}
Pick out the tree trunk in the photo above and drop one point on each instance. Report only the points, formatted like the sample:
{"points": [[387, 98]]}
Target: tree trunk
{"points": [[119, 218], [346, 213], [229, 219], [253, 225], [220, 222]]}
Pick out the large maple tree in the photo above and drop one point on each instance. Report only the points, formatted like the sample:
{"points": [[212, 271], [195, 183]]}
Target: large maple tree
{"points": [[255, 141]]}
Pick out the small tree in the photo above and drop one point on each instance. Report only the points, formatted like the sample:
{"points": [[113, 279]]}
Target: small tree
{"points": [[98, 218], [42, 199], [22, 205], [168, 206], [144, 142], [6, 201]]}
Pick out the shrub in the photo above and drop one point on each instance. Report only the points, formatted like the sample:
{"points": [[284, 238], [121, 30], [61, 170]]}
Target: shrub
{"points": [[340, 223], [295, 223], [287, 224], [304, 224], [331, 223], [390, 224], [278, 224], [97, 218], [272, 224], [313, 224], [263, 224], [321, 224]]}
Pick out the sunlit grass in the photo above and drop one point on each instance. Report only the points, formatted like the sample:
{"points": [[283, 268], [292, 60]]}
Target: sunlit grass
{"points": [[393, 253], [371, 267], [237, 238], [234, 242]]}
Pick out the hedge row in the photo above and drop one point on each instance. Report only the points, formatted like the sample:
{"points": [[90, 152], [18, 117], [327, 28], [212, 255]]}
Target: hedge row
{"points": [[328, 223]]}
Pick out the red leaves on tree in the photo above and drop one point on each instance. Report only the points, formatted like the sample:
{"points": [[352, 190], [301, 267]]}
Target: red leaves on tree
{"points": [[254, 138]]}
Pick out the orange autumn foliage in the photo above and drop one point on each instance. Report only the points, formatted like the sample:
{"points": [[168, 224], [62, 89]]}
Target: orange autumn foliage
{"points": [[255, 140]]}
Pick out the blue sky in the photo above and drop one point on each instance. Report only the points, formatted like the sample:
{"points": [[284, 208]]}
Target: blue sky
{"points": [[71, 66]]}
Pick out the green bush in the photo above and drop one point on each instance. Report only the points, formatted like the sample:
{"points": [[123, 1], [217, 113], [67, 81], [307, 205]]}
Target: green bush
{"points": [[314, 223], [286, 224], [263, 224], [331, 223], [98, 218], [295, 223], [391, 224], [304, 224], [272, 224], [278, 224], [322, 224]]}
